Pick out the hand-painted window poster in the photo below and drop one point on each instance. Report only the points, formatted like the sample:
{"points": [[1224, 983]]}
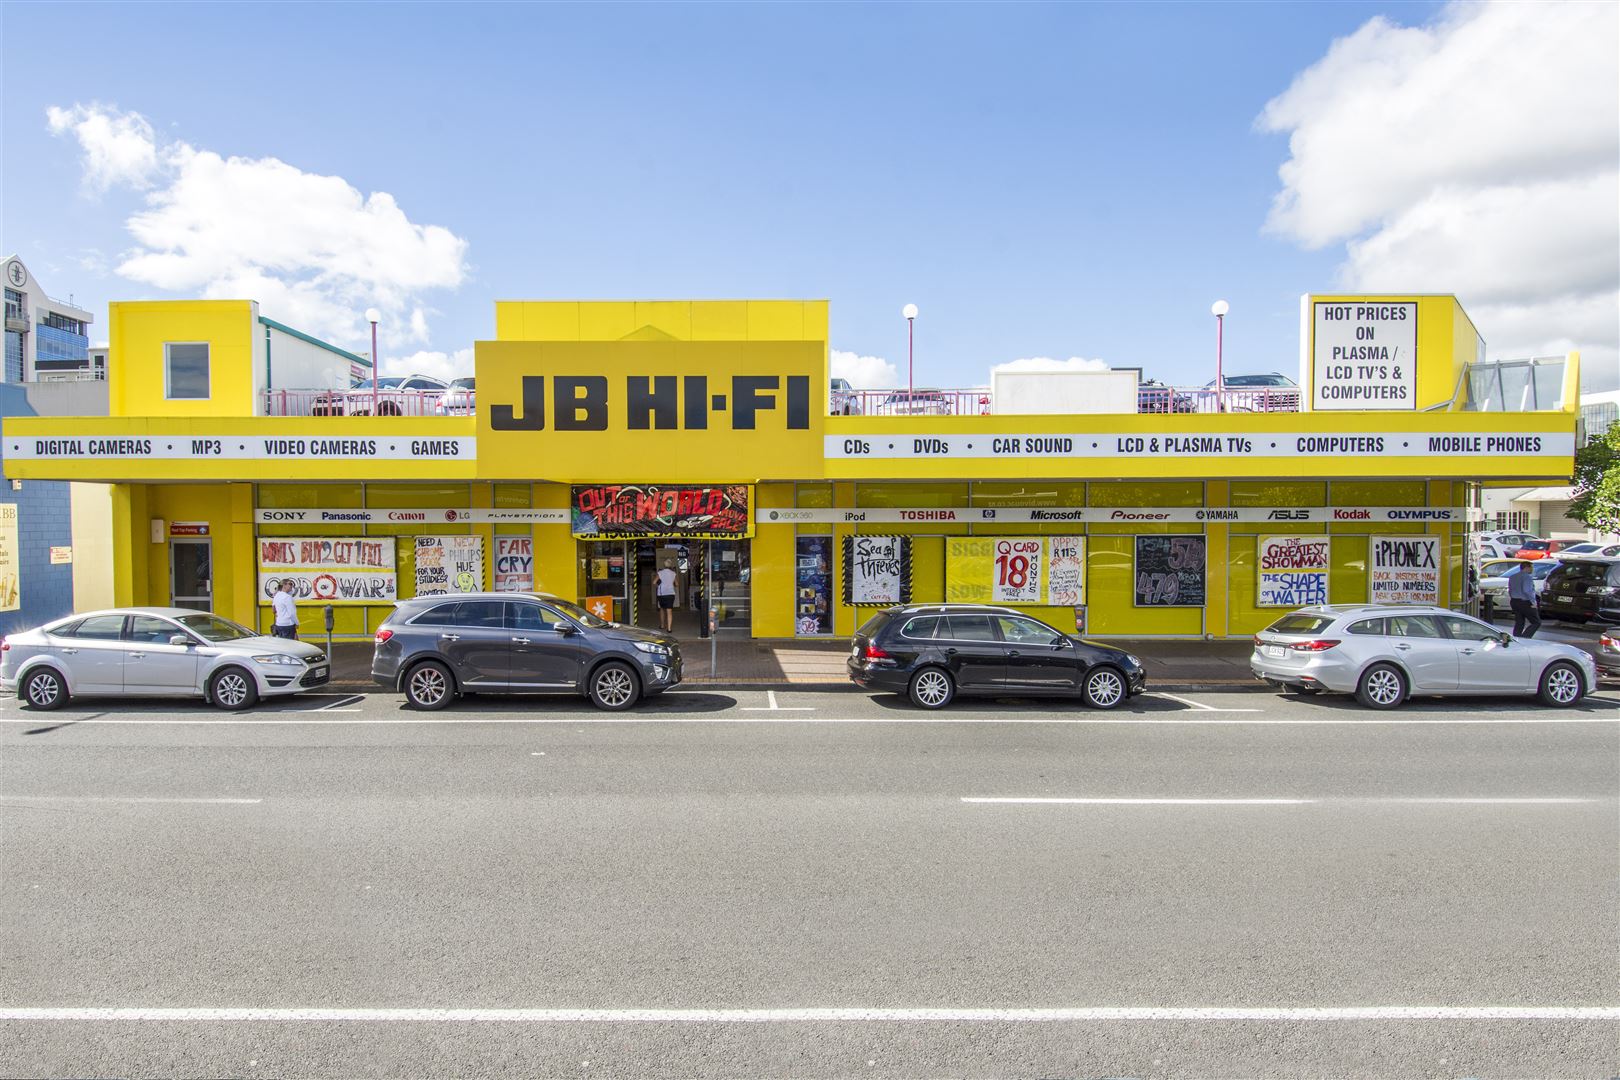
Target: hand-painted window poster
{"points": [[1404, 569], [1292, 571], [1170, 571], [877, 569], [611, 511], [329, 569], [812, 585], [449, 564], [514, 563]]}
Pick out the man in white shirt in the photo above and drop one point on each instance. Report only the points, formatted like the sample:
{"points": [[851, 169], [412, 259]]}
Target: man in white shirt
{"points": [[286, 611]]}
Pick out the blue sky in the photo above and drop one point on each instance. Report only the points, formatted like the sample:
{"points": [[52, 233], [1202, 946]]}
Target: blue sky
{"points": [[1078, 180]]}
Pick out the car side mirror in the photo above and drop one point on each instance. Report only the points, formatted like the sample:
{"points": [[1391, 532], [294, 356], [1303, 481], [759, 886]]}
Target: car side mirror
{"points": [[1062, 642], [179, 639], [1506, 639], [565, 629]]}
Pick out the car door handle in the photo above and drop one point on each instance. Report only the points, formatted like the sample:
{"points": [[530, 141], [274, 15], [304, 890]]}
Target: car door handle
{"points": [[1012, 652], [137, 656], [520, 641], [950, 652], [70, 652], [449, 637], [1403, 648], [1467, 652]]}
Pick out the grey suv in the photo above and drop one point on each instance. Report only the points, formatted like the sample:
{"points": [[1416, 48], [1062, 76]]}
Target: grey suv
{"points": [[433, 648]]}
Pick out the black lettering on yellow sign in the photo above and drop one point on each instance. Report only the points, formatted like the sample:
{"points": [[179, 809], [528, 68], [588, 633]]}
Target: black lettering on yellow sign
{"points": [[654, 402]]}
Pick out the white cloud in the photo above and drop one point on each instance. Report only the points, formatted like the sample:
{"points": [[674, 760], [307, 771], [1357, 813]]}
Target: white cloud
{"points": [[118, 148], [311, 249], [446, 366], [864, 372], [1047, 363], [1477, 155]]}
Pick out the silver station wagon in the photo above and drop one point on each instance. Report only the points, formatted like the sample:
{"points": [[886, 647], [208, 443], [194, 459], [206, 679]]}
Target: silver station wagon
{"points": [[156, 652], [1385, 654]]}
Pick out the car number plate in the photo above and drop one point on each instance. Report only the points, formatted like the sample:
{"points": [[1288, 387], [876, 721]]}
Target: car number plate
{"points": [[319, 672], [1565, 599], [1276, 651]]}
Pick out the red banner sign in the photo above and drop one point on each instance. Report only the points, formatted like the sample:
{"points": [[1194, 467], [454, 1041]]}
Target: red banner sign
{"points": [[631, 510]]}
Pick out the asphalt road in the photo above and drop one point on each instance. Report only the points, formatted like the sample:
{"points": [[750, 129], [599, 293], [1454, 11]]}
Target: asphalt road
{"points": [[756, 884]]}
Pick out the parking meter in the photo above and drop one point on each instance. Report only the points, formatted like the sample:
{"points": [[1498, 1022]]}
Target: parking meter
{"points": [[331, 618]]}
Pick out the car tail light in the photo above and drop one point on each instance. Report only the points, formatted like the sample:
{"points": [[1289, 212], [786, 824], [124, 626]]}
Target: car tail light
{"points": [[875, 653], [1319, 645], [1607, 640], [383, 635], [5, 646]]}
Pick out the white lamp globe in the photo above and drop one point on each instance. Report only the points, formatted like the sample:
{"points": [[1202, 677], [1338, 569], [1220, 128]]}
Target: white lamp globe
{"points": [[909, 311], [1219, 308], [373, 315]]}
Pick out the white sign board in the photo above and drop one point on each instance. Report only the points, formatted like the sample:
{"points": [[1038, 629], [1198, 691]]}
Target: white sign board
{"points": [[1364, 355], [1291, 571], [1016, 578], [1066, 571], [1404, 569], [876, 569], [514, 564], [449, 564], [329, 569]]}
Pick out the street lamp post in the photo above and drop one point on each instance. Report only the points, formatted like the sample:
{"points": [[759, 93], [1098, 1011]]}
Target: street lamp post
{"points": [[1219, 309], [910, 312], [373, 316]]}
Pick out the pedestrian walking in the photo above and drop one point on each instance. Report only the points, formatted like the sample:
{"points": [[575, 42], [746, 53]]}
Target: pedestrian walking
{"points": [[286, 610], [665, 592], [1522, 598]]}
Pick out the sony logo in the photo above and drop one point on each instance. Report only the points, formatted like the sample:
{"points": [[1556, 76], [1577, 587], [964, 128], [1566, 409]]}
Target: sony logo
{"points": [[654, 402]]}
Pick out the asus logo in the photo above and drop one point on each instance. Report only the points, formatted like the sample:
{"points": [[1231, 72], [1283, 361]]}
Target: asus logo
{"points": [[1289, 515]]}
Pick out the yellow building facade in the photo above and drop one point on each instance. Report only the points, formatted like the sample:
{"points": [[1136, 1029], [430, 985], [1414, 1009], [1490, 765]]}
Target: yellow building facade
{"points": [[612, 438]]}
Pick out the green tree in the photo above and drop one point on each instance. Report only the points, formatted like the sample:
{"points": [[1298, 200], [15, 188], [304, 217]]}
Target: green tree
{"points": [[1597, 482]]}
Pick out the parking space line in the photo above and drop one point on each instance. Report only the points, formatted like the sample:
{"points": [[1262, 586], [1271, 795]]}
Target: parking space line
{"points": [[123, 799], [1196, 704], [1175, 801], [1196, 719], [770, 696], [1091, 1014]]}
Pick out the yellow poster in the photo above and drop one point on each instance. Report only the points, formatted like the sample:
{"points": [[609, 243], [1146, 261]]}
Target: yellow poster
{"points": [[1047, 570], [10, 582]]}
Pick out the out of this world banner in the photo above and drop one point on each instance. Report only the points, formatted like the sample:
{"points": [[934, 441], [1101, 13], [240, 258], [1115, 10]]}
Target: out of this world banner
{"points": [[606, 511]]}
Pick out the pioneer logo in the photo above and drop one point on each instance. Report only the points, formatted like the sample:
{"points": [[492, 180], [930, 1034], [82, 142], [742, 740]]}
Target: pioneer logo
{"points": [[655, 402]]}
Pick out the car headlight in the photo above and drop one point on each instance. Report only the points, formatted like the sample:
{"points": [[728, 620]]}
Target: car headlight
{"points": [[653, 647], [1131, 659], [279, 658]]}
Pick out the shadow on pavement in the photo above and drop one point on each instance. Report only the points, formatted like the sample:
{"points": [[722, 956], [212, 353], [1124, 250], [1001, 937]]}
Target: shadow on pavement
{"points": [[687, 703]]}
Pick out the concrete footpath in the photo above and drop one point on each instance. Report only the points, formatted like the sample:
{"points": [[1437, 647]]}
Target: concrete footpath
{"points": [[1171, 663]]}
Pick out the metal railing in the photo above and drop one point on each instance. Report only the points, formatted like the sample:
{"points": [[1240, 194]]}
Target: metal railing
{"points": [[1150, 398], [356, 402]]}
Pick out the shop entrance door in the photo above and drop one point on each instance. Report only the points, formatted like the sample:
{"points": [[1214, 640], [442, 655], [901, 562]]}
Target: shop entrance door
{"points": [[191, 574], [682, 556], [730, 586]]}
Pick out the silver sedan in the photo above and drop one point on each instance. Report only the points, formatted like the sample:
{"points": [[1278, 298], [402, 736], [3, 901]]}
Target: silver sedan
{"points": [[156, 652], [1385, 654]]}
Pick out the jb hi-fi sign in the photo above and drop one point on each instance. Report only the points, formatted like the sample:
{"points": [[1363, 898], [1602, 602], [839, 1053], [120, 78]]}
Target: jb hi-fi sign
{"points": [[654, 403]]}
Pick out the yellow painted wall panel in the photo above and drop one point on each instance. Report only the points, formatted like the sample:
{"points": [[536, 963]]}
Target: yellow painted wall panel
{"points": [[672, 317], [607, 321], [556, 558], [1111, 592], [509, 321], [137, 333], [772, 572], [775, 320], [720, 320]]}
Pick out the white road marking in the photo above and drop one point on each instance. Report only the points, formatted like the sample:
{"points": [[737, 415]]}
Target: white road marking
{"points": [[1142, 802], [1269, 802], [1195, 704], [825, 1015], [1157, 721], [770, 696], [120, 799]]}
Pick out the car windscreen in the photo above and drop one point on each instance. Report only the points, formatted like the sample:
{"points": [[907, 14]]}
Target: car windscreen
{"points": [[1537, 545], [578, 614], [1584, 573], [1300, 624], [1499, 567], [213, 628]]}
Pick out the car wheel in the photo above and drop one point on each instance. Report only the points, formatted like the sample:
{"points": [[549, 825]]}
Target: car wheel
{"points": [[44, 689], [1382, 686], [614, 687], [1561, 685], [429, 686], [931, 688], [233, 689], [1104, 687]]}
